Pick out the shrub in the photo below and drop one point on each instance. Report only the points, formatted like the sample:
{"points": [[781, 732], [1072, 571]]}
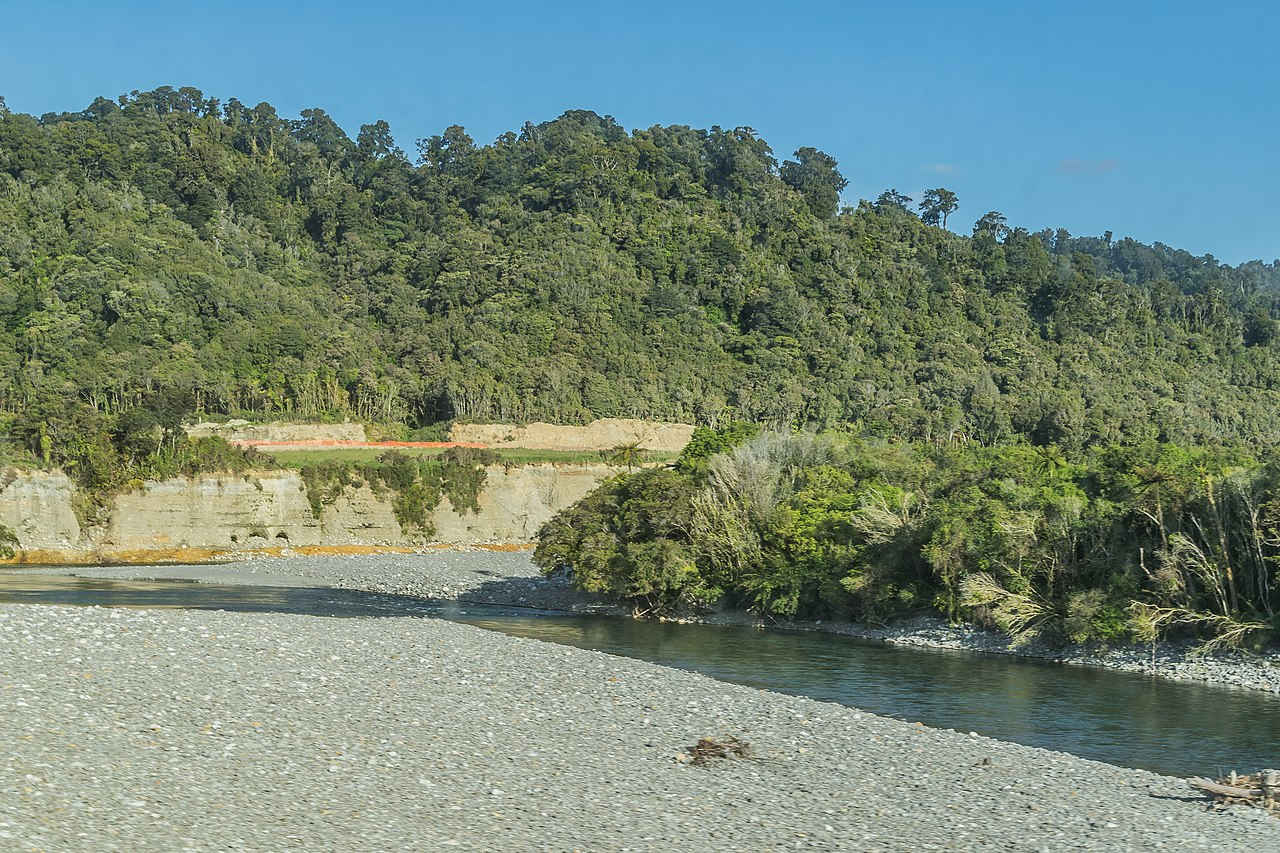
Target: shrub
{"points": [[706, 443], [628, 539], [413, 505], [463, 475], [8, 542]]}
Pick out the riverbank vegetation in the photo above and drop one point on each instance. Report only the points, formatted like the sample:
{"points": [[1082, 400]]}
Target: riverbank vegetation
{"points": [[1111, 543], [419, 478], [105, 453]]}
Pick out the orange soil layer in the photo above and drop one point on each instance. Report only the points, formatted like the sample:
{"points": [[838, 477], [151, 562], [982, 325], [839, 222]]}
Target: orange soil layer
{"points": [[147, 556], [328, 443]]}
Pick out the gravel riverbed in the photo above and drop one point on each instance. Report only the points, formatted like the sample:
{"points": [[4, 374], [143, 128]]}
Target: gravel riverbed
{"points": [[510, 578], [474, 576], [197, 730]]}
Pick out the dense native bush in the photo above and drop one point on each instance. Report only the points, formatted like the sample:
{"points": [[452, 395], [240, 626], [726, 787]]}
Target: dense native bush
{"points": [[169, 243], [706, 443], [1103, 545], [168, 253], [629, 540]]}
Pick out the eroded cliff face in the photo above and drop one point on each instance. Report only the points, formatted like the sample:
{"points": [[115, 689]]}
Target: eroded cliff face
{"points": [[36, 506], [212, 515], [515, 503], [212, 510], [604, 434], [244, 431]]}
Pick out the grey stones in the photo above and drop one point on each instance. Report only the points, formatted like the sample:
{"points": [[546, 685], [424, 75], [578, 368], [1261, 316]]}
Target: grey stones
{"points": [[509, 578], [411, 733]]}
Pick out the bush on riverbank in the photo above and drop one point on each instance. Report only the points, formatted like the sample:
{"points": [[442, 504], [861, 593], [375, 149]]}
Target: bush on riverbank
{"points": [[418, 482], [629, 539], [1109, 544]]}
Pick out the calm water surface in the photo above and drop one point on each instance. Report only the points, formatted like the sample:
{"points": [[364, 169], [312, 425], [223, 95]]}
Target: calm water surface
{"points": [[1130, 720]]}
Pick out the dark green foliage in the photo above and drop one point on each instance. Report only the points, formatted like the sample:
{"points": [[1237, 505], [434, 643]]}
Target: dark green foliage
{"points": [[993, 224], [937, 205], [210, 454], [1099, 545], [8, 540], [174, 245], [628, 540], [325, 482], [413, 505], [893, 201], [815, 174], [462, 476], [707, 442], [417, 483]]}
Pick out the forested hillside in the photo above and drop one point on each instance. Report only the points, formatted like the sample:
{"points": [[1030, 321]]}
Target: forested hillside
{"points": [[167, 251]]}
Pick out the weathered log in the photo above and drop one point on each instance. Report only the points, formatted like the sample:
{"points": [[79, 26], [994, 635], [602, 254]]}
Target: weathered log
{"points": [[1269, 782], [1225, 790]]}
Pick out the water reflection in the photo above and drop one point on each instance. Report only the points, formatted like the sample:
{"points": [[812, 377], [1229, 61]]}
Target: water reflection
{"points": [[1181, 729]]}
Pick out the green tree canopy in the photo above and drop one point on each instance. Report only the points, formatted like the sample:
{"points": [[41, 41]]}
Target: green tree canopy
{"points": [[168, 242], [936, 205]]}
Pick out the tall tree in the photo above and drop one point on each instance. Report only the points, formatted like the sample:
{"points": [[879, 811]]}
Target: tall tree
{"points": [[375, 141], [445, 153], [893, 200], [937, 205], [817, 176], [994, 223]]}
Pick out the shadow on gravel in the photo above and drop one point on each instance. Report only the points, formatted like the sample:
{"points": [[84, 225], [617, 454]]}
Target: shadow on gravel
{"points": [[1193, 798], [500, 596], [519, 592]]}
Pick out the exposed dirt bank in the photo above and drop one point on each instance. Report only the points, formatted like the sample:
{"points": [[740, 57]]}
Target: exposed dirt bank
{"points": [[216, 516], [604, 434], [237, 430]]}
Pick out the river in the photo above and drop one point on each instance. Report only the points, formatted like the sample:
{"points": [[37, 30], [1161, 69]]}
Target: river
{"points": [[1120, 718]]}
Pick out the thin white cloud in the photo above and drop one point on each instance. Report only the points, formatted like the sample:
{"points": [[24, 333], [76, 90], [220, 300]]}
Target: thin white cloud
{"points": [[940, 168]]}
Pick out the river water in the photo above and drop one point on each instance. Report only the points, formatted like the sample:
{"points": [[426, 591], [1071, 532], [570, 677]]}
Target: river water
{"points": [[1120, 718]]}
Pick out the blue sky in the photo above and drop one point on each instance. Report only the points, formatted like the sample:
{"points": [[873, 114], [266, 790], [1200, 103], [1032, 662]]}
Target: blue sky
{"points": [[1152, 120]]}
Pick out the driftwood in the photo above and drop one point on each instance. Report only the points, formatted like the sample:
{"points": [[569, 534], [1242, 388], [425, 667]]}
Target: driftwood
{"points": [[708, 748], [1261, 789], [1226, 790]]}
